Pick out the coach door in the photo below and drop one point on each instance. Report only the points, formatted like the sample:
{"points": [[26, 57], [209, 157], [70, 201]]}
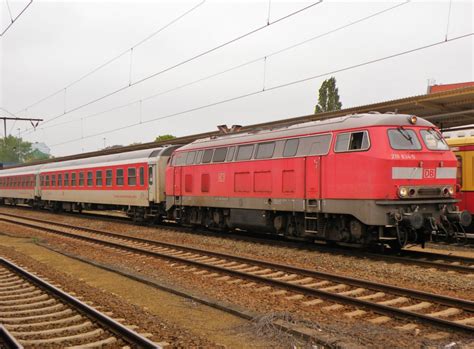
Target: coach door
{"points": [[152, 185]]}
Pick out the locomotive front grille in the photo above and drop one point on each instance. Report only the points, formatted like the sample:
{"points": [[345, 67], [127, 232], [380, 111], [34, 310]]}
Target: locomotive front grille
{"points": [[429, 192]]}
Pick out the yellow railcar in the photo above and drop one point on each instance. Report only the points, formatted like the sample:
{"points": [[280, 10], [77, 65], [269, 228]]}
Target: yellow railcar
{"points": [[463, 147]]}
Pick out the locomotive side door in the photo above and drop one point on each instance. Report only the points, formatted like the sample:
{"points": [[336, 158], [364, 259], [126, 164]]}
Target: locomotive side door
{"points": [[177, 181], [313, 180]]}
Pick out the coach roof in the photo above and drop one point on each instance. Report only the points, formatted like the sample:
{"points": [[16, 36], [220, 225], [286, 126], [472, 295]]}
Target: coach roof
{"points": [[334, 124]]}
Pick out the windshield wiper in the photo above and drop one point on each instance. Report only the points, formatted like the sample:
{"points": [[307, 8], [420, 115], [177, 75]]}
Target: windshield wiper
{"points": [[405, 134]]}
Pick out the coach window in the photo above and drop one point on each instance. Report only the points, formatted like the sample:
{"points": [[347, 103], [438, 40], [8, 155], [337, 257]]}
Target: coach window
{"points": [[142, 176], [291, 147], [66, 179], [73, 179], [207, 157], [90, 178], [119, 177], [98, 178], [60, 180], [403, 139], [81, 179], [219, 155], [108, 178], [265, 150], [459, 171], [132, 176], [230, 154], [53, 180], [244, 152], [47, 181], [353, 141], [190, 157]]}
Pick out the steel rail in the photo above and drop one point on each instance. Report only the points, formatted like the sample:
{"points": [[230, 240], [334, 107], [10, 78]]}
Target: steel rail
{"points": [[406, 255], [379, 308], [448, 301], [7, 340], [105, 321]]}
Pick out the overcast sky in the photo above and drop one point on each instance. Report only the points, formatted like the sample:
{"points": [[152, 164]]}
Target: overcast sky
{"points": [[55, 42]]}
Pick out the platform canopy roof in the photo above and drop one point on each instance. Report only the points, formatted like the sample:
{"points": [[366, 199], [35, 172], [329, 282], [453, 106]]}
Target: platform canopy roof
{"points": [[447, 109]]}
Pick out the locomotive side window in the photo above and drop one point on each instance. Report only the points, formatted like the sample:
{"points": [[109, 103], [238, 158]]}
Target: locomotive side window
{"points": [[433, 140], [291, 147], [265, 150], [81, 179], [108, 178], [132, 176], [73, 179], [190, 158], [119, 176], [66, 179], [219, 155], [98, 178], [142, 176], [244, 152], [353, 141], [179, 159], [230, 154], [207, 157], [318, 145], [199, 157], [403, 139]]}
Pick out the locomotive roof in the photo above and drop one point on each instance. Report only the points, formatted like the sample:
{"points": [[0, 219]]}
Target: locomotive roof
{"points": [[126, 157], [321, 126]]}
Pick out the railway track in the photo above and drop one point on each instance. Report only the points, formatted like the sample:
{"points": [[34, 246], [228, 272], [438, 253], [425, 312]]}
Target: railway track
{"points": [[358, 298], [449, 263], [35, 313]]}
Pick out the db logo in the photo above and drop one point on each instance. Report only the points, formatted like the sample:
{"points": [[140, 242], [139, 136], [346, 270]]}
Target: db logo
{"points": [[429, 173]]}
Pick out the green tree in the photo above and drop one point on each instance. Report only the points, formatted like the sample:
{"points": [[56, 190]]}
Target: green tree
{"points": [[163, 138], [13, 149], [328, 97], [36, 155]]}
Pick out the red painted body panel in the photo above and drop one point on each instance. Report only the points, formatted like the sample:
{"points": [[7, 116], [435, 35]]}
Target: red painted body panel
{"points": [[349, 175]]}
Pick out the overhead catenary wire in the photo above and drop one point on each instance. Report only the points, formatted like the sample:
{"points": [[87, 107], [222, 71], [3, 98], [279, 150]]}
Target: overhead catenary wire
{"points": [[14, 19], [188, 60], [9, 11], [113, 59], [273, 88], [238, 66], [449, 18]]}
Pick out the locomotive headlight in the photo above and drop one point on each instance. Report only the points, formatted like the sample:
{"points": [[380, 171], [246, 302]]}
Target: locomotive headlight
{"points": [[402, 192], [412, 119], [449, 191]]}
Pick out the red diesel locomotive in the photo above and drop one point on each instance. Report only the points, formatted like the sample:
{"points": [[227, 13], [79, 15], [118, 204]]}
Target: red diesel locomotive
{"points": [[369, 178], [365, 179]]}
